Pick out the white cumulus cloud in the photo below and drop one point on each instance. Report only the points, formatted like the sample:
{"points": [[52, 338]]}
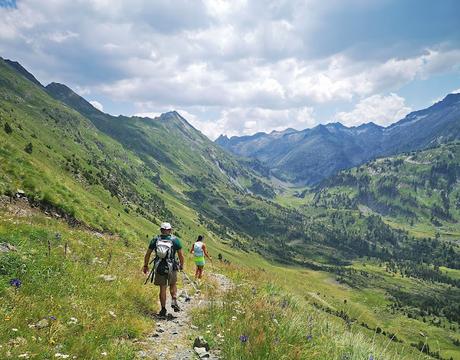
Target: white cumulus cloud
{"points": [[382, 110], [247, 65], [250, 120], [97, 105]]}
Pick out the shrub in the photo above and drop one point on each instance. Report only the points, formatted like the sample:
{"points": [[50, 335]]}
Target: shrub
{"points": [[7, 128], [29, 148]]}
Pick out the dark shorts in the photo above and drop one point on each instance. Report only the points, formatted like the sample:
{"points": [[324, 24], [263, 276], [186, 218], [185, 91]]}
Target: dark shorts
{"points": [[163, 279]]}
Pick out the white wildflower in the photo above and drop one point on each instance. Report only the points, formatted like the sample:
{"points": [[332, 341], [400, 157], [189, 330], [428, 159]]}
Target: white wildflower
{"points": [[72, 321], [61, 356]]}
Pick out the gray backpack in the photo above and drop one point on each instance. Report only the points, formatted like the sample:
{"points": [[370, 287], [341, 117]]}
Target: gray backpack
{"points": [[164, 262]]}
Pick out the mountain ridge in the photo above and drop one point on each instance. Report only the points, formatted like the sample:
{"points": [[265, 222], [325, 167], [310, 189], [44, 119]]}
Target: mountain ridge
{"points": [[295, 156], [23, 71]]}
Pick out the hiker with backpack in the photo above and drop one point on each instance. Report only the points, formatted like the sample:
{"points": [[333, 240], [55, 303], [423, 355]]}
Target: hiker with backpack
{"points": [[199, 251], [165, 265]]}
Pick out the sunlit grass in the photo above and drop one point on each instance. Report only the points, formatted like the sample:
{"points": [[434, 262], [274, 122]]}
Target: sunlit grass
{"points": [[61, 283], [259, 319]]}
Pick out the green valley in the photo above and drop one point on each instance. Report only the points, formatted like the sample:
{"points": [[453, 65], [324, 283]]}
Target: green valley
{"points": [[365, 265]]}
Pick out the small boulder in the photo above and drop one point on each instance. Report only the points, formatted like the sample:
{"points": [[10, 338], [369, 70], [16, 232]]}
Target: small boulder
{"points": [[43, 323], [6, 247], [201, 352], [200, 342]]}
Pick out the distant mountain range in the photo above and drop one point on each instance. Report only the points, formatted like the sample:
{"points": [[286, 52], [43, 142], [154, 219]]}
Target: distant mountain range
{"points": [[308, 156]]}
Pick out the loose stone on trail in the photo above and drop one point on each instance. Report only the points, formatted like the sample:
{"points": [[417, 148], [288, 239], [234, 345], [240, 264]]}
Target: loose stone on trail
{"points": [[173, 338], [200, 342], [201, 352]]}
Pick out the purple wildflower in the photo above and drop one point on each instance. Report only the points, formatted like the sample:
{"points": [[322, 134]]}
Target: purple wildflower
{"points": [[244, 338], [371, 357], [16, 283], [52, 317], [309, 337]]}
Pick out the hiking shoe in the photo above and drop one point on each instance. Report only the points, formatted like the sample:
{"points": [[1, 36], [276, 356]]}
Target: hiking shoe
{"points": [[162, 312], [175, 307]]}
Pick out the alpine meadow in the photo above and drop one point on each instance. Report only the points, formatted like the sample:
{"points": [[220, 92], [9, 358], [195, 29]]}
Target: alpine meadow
{"points": [[330, 240]]}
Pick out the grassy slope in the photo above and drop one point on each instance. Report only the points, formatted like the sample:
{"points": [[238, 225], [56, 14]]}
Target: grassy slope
{"points": [[368, 303], [106, 314]]}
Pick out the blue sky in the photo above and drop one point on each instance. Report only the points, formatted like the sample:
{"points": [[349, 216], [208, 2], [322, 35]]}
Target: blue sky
{"points": [[238, 66]]}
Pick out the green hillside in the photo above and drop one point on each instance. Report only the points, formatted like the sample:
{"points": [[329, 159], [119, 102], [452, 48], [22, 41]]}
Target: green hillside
{"points": [[420, 189], [82, 192]]}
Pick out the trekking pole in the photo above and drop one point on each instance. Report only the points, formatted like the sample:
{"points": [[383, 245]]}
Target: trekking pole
{"points": [[190, 281], [187, 296], [150, 275]]}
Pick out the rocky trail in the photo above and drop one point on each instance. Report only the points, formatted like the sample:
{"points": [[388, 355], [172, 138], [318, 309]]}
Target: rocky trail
{"points": [[176, 338]]}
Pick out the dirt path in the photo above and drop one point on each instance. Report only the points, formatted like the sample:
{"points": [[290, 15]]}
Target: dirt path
{"points": [[173, 338], [410, 160]]}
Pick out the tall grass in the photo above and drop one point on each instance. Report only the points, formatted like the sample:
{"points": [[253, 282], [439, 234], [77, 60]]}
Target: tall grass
{"points": [[259, 320], [86, 316]]}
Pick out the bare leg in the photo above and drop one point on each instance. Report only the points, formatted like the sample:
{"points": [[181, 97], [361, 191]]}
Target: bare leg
{"points": [[197, 272], [173, 291], [163, 296]]}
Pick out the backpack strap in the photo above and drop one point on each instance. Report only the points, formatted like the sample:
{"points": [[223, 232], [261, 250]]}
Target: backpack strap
{"points": [[156, 239], [172, 255]]}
